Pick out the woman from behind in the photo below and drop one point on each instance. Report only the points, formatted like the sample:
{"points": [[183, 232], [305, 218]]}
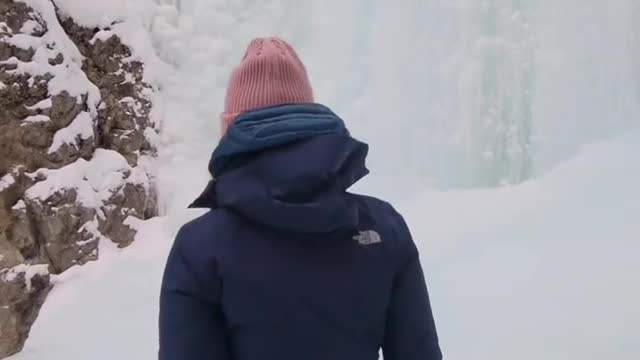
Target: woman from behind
{"points": [[288, 264]]}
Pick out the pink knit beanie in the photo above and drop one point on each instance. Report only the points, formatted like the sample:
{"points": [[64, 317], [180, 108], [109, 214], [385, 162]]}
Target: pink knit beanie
{"points": [[270, 73]]}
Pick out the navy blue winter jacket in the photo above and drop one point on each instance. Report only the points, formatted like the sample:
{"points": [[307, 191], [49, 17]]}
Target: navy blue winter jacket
{"points": [[288, 265]]}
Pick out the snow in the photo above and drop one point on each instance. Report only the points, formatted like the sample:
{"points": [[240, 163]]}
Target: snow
{"points": [[6, 181], [4, 27], [29, 272], [67, 77], [541, 270], [102, 35], [30, 27], [544, 270], [100, 13], [134, 104], [95, 180], [91, 227], [24, 41], [35, 119], [81, 128], [19, 206], [129, 20], [122, 282], [44, 104]]}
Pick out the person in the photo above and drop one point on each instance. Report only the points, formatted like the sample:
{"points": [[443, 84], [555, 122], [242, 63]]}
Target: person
{"points": [[287, 264]]}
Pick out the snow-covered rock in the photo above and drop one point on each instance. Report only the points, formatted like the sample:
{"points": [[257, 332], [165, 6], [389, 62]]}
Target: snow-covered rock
{"points": [[76, 135], [23, 289]]}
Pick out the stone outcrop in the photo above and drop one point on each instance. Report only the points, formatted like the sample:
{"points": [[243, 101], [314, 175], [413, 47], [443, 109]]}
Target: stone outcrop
{"points": [[21, 291], [76, 136]]}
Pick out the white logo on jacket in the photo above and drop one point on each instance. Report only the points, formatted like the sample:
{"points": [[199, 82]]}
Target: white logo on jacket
{"points": [[368, 237]]}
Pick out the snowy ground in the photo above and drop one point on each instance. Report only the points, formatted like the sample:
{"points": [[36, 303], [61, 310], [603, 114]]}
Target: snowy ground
{"points": [[543, 270]]}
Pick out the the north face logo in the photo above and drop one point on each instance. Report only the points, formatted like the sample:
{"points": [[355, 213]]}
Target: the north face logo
{"points": [[368, 237]]}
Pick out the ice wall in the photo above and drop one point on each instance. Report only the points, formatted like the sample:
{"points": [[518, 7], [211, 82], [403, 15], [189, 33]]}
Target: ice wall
{"points": [[449, 94]]}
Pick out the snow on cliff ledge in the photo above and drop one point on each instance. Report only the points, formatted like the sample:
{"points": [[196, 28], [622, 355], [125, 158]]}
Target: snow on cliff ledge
{"points": [[129, 20]]}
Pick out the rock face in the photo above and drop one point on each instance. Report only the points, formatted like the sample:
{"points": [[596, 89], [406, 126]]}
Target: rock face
{"points": [[76, 138], [23, 291]]}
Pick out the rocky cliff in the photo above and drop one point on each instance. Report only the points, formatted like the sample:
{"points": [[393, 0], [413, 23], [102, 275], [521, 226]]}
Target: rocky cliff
{"points": [[76, 141]]}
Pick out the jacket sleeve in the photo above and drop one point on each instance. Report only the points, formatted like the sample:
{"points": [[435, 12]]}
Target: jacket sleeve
{"points": [[410, 332], [191, 321]]}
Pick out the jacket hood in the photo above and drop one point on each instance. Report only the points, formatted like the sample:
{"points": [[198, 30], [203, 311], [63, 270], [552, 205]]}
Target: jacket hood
{"points": [[288, 167]]}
